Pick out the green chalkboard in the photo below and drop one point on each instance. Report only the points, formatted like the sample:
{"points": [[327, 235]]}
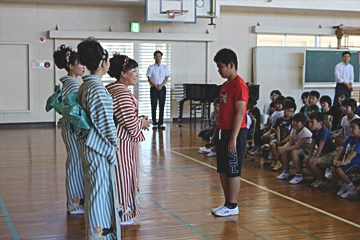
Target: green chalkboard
{"points": [[320, 65]]}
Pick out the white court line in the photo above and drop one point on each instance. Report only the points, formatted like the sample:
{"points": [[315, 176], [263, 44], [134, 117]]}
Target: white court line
{"points": [[275, 193]]}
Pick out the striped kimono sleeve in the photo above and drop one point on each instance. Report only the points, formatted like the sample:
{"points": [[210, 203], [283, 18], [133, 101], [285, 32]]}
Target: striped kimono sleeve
{"points": [[70, 84], [125, 114], [102, 137]]}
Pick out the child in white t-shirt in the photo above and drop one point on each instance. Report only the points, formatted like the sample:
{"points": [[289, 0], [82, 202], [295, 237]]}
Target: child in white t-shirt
{"points": [[296, 149], [349, 107]]}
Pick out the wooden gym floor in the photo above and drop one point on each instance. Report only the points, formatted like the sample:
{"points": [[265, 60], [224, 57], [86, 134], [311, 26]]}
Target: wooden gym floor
{"points": [[178, 187]]}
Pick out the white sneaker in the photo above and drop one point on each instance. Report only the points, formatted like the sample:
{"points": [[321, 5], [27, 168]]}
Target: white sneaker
{"points": [[296, 179], [342, 190], [351, 192], [314, 183], [319, 184], [328, 173], [127, 223], [224, 212], [257, 153], [216, 209], [283, 175], [211, 154], [270, 157], [204, 150]]}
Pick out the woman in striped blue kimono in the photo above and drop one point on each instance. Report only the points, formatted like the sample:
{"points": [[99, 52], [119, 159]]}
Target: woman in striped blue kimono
{"points": [[66, 58], [98, 148], [129, 131]]}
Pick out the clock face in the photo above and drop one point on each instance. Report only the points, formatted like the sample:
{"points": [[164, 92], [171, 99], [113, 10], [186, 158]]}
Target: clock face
{"points": [[204, 8]]}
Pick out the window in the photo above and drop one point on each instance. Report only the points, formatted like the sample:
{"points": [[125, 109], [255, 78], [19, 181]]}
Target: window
{"points": [[270, 40], [146, 58], [354, 42], [328, 41], [297, 40], [300, 41], [143, 54], [122, 48]]}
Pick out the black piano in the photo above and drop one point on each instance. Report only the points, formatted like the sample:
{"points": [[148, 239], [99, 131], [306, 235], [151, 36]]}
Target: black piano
{"points": [[204, 93]]}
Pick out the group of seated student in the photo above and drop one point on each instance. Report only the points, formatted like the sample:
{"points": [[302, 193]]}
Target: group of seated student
{"points": [[307, 139]]}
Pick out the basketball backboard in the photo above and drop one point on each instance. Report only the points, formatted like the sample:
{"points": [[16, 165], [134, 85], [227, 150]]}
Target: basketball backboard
{"points": [[156, 10]]}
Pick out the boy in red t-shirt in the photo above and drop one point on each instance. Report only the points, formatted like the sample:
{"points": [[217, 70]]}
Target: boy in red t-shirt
{"points": [[230, 131]]}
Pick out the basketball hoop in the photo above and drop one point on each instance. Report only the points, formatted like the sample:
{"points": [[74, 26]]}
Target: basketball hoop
{"points": [[177, 17]]}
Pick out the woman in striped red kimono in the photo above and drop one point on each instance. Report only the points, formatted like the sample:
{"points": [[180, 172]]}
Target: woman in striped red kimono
{"points": [[98, 148], [66, 58], [129, 131]]}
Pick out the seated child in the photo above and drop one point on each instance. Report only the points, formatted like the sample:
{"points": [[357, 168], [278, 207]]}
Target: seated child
{"points": [[349, 107], [313, 100], [279, 112], [296, 149], [337, 113], [273, 96], [311, 109], [351, 162], [282, 129], [207, 132], [259, 133], [254, 111], [304, 99], [279, 109], [325, 102], [323, 157], [290, 98]]}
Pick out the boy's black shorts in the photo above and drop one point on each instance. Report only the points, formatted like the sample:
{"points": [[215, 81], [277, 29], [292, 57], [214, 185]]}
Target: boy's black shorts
{"points": [[349, 168], [230, 163]]}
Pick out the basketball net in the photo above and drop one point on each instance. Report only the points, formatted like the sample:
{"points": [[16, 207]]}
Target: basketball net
{"points": [[177, 17]]}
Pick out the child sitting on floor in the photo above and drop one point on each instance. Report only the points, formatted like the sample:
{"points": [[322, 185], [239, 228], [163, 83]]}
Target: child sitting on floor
{"points": [[349, 107], [282, 129], [208, 132], [323, 157], [295, 149], [351, 162]]}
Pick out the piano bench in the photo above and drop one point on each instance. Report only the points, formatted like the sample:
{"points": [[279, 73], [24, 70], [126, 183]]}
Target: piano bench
{"points": [[196, 107]]}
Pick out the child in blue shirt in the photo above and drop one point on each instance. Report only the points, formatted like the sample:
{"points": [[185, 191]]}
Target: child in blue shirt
{"points": [[207, 132], [323, 157], [351, 162]]}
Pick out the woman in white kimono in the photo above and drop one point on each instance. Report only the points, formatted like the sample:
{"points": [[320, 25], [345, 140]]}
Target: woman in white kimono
{"points": [[129, 131], [98, 148]]}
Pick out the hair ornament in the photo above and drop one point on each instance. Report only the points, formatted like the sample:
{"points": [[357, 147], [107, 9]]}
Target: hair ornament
{"points": [[126, 60]]}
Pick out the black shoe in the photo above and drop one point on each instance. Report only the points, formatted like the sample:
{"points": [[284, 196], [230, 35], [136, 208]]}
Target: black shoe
{"points": [[162, 127], [209, 145]]}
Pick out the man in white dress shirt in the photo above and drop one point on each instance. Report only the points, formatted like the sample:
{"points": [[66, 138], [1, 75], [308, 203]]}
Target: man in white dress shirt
{"points": [[344, 76], [158, 75]]}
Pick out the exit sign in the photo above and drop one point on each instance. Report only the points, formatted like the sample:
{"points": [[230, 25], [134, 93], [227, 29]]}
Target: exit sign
{"points": [[135, 27]]}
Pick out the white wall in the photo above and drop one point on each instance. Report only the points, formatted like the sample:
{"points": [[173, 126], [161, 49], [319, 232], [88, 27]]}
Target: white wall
{"points": [[279, 72], [26, 22], [333, 5]]}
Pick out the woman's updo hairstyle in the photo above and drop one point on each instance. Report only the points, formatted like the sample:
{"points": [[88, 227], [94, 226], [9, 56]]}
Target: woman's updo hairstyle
{"points": [[91, 53], [120, 63], [64, 56]]}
